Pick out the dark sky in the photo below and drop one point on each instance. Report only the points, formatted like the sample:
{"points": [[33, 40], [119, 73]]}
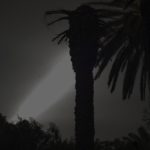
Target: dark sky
{"points": [[31, 66]]}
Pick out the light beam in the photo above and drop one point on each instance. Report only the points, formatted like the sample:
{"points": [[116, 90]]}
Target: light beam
{"points": [[50, 90]]}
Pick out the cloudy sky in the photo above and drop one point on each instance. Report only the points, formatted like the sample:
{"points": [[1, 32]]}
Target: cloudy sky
{"points": [[37, 80]]}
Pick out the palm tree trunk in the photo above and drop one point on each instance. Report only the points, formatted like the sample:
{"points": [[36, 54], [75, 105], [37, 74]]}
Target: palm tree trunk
{"points": [[84, 110], [83, 43]]}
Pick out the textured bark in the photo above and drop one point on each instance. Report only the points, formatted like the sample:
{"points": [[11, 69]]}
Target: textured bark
{"points": [[84, 110], [83, 43]]}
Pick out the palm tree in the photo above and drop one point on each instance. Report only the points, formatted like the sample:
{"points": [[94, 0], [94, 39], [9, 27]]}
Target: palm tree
{"points": [[95, 36], [85, 30], [128, 45]]}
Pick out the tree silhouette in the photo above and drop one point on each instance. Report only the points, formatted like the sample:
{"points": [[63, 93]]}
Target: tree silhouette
{"points": [[140, 141], [3, 129], [30, 133], [52, 139], [85, 30], [91, 33], [118, 30], [8, 134], [129, 47]]}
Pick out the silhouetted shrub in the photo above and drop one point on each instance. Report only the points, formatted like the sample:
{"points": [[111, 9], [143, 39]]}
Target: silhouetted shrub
{"points": [[29, 135]]}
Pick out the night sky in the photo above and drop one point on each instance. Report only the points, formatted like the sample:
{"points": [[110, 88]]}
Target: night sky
{"points": [[37, 80]]}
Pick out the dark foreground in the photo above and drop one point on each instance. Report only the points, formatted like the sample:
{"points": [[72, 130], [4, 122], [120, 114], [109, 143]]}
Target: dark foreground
{"points": [[29, 135]]}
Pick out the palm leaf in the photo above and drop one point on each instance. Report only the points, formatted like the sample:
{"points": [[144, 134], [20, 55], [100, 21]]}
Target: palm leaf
{"points": [[119, 64], [123, 37], [108, 51], [61, 36], [57, 20], [134, 31], [143, 79], [130, 74]]}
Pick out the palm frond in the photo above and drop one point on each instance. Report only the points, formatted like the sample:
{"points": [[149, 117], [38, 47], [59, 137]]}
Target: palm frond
{"points": [[61, 36], [108, 51], [130, 74], [57, 20], [122, 36], [125, 26], [143, 80], [61, 39], [118, 65]]}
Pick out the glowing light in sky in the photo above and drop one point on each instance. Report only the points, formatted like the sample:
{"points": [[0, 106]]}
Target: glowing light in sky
{"points": [[57, 83]]}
